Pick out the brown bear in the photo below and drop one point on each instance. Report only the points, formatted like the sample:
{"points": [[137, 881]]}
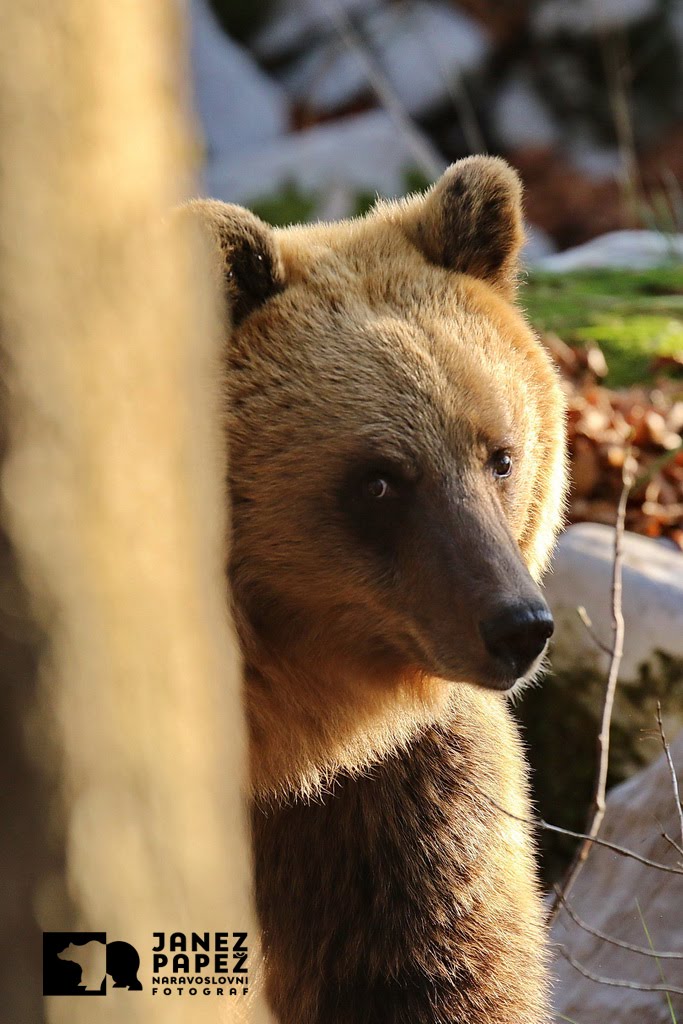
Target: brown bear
{"points": [[397, 479]]}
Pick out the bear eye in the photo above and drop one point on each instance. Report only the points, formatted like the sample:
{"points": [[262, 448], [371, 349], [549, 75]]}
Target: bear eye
{"points": [[377, 487], [501, 464]]}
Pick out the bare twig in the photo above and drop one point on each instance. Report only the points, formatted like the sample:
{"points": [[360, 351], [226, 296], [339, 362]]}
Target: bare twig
{"points": [[586, 620], [617, 982], [623, 851], [427, 157], [672, 842], [672, 770], [597, 808], [610, 939]]}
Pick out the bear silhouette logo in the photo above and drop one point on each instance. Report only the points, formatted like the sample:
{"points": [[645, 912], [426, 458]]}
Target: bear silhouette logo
{"points": [[74, 964], [77, 964]]}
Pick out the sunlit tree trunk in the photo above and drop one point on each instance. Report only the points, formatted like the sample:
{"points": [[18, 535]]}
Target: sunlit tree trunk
{"points": [[124, 671]]}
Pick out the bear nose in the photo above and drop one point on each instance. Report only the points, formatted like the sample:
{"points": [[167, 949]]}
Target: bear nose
{"points": [[517, 634]]}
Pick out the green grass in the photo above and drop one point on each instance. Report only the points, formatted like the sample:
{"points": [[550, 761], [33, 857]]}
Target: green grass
{"points": [[630, 343], [632, 315]]}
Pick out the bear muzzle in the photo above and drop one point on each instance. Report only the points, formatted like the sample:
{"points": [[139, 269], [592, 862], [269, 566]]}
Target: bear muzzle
{"points": [[516, 636], [477, 609]]}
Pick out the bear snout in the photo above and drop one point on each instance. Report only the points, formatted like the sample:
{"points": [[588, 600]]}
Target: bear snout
{"points": [[516, 634]]}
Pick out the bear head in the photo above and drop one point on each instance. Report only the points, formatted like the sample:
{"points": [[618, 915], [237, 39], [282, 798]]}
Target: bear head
{"points": [[396, 450]]}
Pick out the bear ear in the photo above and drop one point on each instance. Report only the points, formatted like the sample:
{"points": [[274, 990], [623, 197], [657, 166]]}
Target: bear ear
{"points": [[250, 262], [470, 221]]}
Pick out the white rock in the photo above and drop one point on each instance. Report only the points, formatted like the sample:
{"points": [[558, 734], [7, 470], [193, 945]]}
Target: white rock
{"points": [[363, 153], [633, 250], [422, 48], [607, 895], [589, 16], [238, 106], [652, 598], [520, 117]]}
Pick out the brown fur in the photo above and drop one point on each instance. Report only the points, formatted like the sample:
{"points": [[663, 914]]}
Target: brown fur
{"points": [[403, 897], [401, 894]]}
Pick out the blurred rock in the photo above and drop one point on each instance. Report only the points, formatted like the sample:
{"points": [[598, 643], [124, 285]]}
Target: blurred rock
{"points": [[519, 116], [561, 717], [421, 48], [652, 599], [365, 153], [238, 105], [553, 17], [633, 250], [652, 664], [607, 896]]}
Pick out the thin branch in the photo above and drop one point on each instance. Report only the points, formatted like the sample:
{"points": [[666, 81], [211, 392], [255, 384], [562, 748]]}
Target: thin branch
{"points": [[672, 842], [617, 982], [623, 851], [597, 808], [672, 770], [612, 941], [427, 157], [586, 620]]}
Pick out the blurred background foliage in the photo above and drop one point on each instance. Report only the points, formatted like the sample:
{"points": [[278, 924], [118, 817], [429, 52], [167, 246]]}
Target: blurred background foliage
{"points": [[584, 98]]}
